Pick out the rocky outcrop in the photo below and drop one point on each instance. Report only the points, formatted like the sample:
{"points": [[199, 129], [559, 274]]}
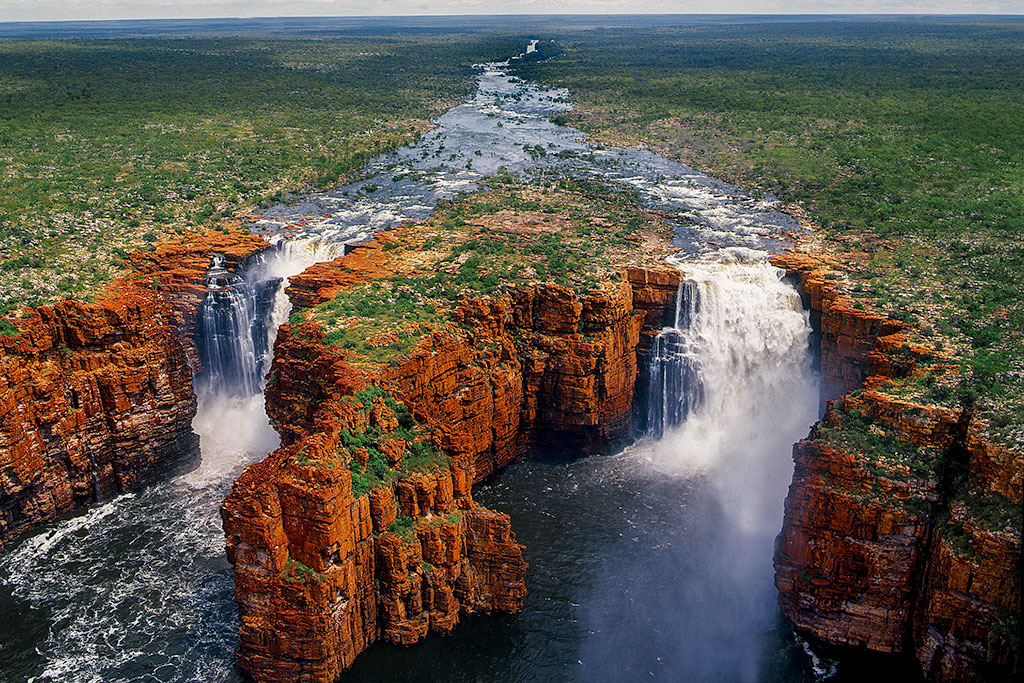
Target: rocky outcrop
{"points": [[96, 398], [324, 569], [902, 526], [848, 336]]}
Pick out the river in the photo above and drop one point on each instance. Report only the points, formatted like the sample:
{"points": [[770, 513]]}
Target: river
{"points": [[653, 562]]}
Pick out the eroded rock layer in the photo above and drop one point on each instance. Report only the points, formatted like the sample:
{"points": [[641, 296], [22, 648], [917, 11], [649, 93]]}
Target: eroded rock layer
{"points": [[333, 552], [96, 398], [902, 525]]}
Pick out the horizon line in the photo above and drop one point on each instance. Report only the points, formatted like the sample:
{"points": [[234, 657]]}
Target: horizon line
{"points": [[517, 14]]}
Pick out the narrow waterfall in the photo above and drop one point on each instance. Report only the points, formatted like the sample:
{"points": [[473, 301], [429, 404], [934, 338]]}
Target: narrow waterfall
{"points": [[233, 331], [675, 380], [239, 317]]}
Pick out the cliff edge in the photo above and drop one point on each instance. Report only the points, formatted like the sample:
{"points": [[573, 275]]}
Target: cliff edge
{"points": [[902, 524], [96, 397]]}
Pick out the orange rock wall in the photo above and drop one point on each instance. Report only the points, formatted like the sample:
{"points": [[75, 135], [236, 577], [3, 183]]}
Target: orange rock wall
{"points": [[358, 581], [866, 558], [540, 366], [508, 374], [96, 399], [848, 335]]}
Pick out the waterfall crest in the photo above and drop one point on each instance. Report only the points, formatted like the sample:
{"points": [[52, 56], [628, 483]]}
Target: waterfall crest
{"points": [[240, 315]]}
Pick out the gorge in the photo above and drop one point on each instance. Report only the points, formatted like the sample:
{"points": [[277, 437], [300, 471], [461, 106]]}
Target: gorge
{"points": [[644, 317]]}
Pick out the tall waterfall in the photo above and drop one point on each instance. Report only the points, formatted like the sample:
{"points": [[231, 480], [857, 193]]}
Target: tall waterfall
{"points": [[729, 379], [239, 318], [675, 382], [232, 331]]}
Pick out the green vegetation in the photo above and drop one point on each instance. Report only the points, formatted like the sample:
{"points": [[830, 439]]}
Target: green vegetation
{"points": [[379, 321], [884, 453], [421, 453], [959, 539], [524, 230], [403, 526], [110, 145], [902, 139], [993, 511], [296, 571]]}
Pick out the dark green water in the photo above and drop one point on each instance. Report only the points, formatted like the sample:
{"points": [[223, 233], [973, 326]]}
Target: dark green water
{"points": [[634, 575]]}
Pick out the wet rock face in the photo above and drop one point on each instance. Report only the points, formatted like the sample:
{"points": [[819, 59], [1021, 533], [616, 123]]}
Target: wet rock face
{"points": [[96, 399], [898, 534], [321, 570]]}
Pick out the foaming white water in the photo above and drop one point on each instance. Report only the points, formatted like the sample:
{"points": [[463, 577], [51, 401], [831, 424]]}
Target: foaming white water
{"points": [[731, 389], [230, 429], [741, 335], [138, 589]]}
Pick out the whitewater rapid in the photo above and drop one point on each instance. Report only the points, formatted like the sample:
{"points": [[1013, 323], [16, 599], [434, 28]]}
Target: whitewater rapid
{"points": [[137, 588]]}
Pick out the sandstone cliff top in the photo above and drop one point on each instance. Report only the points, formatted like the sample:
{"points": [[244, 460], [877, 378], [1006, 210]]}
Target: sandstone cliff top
{"points": [[377, 302]]}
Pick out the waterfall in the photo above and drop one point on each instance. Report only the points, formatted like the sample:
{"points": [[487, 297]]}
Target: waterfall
{"points": [[730, 377], [97, 492], [732, 387], [233, 331], [239, 318], [675, 381]]}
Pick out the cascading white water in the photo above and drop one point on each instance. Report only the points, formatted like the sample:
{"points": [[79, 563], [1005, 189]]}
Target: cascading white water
{"points": [[139, 590], [228, 323], [674, 381], [239, 317], [731, 383]]}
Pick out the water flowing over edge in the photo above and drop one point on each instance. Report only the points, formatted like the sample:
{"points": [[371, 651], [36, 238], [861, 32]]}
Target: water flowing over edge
{"points": [[145, 564]]}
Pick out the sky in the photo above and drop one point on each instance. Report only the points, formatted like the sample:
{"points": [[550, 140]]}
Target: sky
{"points": [[54, 10]]}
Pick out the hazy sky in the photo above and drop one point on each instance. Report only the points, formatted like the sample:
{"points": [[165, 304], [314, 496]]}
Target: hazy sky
{"points": [[35, 10]]}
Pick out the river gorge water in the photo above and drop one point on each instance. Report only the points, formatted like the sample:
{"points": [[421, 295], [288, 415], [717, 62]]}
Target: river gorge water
{"points": [[651, 562]]}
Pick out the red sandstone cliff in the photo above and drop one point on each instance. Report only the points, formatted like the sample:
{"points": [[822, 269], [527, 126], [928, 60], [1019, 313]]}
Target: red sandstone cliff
{"points": [[96, 398], [902, 526], [501, 374]]}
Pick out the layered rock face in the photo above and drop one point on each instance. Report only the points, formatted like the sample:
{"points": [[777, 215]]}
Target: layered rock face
{"points": [[96, 399], [322, 571], [902, 526], [413, 552]]}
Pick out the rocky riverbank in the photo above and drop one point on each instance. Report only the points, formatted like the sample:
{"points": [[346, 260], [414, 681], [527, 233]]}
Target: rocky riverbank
{"points": [[902, 527]]}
